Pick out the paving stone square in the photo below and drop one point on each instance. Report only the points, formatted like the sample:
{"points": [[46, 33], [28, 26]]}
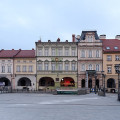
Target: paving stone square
{"points": [[29, 106]]}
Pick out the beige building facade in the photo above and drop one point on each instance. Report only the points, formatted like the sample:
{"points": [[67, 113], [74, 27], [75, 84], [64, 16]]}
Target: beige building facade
{"points": [[56, 64], [111, 57]]}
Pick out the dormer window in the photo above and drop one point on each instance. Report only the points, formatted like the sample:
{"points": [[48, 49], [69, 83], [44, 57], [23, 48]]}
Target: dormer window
{"points": [[115, 48], [107, 48]]}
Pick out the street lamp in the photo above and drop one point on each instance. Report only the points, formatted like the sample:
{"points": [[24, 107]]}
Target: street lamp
{"points": [[103, 75], [117, 69]]}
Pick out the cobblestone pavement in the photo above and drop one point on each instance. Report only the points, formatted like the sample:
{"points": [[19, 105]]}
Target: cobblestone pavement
{"points": [[29, 106]]}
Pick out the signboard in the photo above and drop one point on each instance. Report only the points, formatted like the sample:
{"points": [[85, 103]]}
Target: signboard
{"points": [[2, 83]]}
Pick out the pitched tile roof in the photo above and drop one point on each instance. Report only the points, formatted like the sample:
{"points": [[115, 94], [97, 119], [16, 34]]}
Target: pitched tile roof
{"points": [[8, 53], [17, 53], [26, 54], [111, 43]]}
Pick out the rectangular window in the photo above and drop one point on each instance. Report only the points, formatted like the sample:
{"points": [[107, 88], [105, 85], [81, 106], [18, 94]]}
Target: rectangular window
{"points": [[53, 52], [90, 53], [9, 69], [40, 52], [117, 57], [24, 68], [73, 52], [59, 52], [18, 68], [53, 66], [66, 67], [73, 67], [30, 68], [83, 53], [60, 66], [66, 52], [109, 58], [46, 66], [40, 66], [3, 69], [97, 53], [109, 69], [46, 52]]}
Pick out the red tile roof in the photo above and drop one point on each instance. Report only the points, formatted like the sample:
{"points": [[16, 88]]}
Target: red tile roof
{"points": [[111, 43], [8, 53], [17, 53], [26, 54]]}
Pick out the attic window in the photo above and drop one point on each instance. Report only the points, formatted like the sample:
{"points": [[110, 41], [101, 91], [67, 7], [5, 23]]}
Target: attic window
{"points": [[107, 48], [116, 48]]}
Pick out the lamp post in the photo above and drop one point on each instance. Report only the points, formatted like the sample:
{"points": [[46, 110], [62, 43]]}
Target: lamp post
{"points": [[117, 70], [103, 76]]}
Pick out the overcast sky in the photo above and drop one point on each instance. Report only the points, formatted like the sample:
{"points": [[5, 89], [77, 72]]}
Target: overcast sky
{"points": [[23, 22]]}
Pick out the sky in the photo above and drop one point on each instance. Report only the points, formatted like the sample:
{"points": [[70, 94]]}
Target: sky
{"points": [[24, 22]]}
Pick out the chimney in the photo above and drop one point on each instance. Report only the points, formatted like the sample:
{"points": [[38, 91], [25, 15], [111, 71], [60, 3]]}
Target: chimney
{"points": [[49, 41], [32, 48], [39, 40], [117, 37], [102, 36], [12, 49], [58, 40], [73, 37]]}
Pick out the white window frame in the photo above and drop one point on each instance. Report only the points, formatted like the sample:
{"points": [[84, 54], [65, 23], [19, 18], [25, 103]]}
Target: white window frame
{"points": [[46, 52], [73, 52], [40, 52], [46, 66], [109, 58], [9, 68], [90, 67], [97, 67], [117, 57], [30, 68], [40, 67], [24, 68], [66, 66], [83, 67], [3, 68], [18, 69], [53, 66], [97, 53], [66, 51], [53, 51], [109, 69], [73, 66], [60, 67], [90, 53]]}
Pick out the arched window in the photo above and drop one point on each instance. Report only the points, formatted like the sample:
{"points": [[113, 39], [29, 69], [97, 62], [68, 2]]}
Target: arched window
{"points": [[90, 67], [90, 53], [83, 67], [97, 53], [97, 67]]}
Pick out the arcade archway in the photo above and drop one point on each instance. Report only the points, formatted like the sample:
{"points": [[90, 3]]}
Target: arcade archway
{"points": [[83, 83], [6, 81], [24, 81], [67, 82], [111, 83], [46, 81]]}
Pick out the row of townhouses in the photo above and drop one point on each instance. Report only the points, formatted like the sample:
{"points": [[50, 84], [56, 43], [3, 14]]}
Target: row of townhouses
{"points": [[52, 65]]}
